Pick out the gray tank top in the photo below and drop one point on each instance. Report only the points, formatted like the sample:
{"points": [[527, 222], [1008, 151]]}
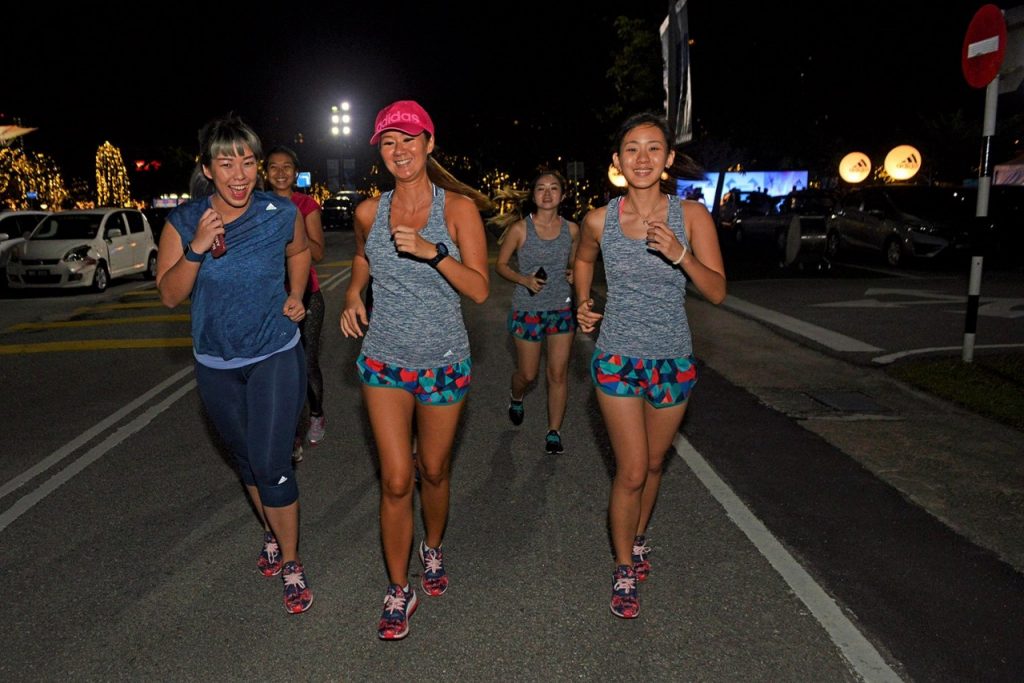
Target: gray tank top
{"points": [[645, 315], [553, 256], [417, 315]]}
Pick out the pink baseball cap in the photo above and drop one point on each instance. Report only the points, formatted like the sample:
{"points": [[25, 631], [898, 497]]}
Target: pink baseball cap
{"points": [[404, 115]]}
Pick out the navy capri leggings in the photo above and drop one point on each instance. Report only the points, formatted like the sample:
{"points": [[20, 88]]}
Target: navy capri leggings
{"points": [[255, 409]]}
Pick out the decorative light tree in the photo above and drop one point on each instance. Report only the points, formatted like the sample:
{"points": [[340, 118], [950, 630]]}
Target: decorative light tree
{"points": [[22, 174], [111, 177]]}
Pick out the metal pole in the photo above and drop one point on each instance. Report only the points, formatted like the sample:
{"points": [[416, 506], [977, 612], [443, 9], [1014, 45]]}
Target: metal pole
{"points": [[984, 185]]}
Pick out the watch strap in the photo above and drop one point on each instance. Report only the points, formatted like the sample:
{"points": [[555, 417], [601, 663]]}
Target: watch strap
{"points": [[193, 256]]}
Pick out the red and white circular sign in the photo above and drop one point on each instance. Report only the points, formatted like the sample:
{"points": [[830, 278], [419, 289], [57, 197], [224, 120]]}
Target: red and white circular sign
{"points": [[984, 46]]}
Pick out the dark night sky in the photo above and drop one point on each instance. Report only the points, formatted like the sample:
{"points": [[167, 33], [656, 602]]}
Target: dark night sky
{"points": [[842, 74]]}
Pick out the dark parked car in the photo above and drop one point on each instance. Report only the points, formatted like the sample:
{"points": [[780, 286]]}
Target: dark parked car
{"points": [[339, 211], [904, 221], [790, 228]]}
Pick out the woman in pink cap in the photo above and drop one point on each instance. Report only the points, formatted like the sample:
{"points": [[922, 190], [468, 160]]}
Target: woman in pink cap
{"points": [[425, 246]]}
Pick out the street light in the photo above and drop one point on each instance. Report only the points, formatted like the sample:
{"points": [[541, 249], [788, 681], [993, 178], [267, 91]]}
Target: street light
{"points": [[341, 121]]}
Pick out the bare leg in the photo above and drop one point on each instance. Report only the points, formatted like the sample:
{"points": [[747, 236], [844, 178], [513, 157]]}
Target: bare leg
{"points": [[662, 425], [283, 522], [391, 413], [559, 347], [436, 425], [527, 367], [624, 419]]}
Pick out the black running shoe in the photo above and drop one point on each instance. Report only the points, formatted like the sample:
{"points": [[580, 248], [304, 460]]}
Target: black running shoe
{"points": [[515, 411], [553, 443]]}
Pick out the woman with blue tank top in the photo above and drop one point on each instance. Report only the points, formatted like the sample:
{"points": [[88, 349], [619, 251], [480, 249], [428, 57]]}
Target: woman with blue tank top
{"points": [[425, 247], [544, 244], [652, 244], [230, 249]]}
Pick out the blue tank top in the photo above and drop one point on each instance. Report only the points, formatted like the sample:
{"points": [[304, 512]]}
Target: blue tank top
{"points": [[417, 315], [645, 316], [553, 256], [237, 299]]}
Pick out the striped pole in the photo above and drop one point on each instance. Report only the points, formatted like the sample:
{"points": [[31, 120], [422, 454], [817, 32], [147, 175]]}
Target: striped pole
{"points": [[984, 184]]}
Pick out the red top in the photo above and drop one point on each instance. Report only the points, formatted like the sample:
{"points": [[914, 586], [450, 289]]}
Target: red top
{"points": [[307, 205]]}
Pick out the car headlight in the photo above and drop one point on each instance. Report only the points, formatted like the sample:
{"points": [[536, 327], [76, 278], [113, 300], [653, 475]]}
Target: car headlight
{"points": [[79, 254]]}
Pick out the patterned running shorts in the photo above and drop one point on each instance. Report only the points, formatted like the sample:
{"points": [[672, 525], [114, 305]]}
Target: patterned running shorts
{"points": [[535, 325], [445, 385], [662, 382]]}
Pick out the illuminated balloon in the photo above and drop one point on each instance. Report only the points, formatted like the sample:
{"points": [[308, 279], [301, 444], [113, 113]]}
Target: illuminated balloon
{"points": [[615, 176], [903, 162], [855, 167]]}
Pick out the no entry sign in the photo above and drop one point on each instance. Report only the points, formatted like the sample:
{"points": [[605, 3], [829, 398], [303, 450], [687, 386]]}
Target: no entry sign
{"points": [[984, 46]]}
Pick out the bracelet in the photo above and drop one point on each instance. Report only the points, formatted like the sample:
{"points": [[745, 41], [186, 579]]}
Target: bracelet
{"points": [[680, 259]]}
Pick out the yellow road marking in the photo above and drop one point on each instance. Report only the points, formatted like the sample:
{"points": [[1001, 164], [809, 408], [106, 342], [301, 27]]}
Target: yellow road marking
{"points": [[169, 318], [94, 345], [119, 307]]}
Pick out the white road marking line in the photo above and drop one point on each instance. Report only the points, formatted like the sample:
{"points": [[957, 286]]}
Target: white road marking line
{"points": [[833, 340], [26, 502], [890, 357], [89, 434], [336, 279], [861, 654]]}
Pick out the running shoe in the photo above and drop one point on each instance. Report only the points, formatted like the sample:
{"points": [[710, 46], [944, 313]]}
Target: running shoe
{"points": [[269, 560], [297, 595], [641, 565], [434, 579], [625, 603], [398, 607], [297, 450], [515, 410], [317, 429], [553, 443]]}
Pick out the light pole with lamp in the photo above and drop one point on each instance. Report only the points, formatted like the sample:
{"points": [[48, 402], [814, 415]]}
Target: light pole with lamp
{"points": [[341, 126]]}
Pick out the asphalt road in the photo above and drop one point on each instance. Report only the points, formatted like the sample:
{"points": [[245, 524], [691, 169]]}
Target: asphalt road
{"points": [[128, 550]]}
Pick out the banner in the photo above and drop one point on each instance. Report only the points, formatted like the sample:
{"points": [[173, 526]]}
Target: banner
{"points": [[675, 54]]}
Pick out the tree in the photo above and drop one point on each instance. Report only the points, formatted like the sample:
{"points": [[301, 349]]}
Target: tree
{"points": [[22, 174], [111, 177]]}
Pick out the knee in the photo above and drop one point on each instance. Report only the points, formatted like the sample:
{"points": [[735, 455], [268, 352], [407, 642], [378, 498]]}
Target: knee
{"points": [[527, 376], [630, 479], [556, 375], [434, 475], [396, 487], [278, 490]]}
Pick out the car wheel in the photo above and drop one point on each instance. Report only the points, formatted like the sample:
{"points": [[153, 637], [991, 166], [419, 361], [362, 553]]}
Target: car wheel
{"points": [[150, 273], [101, 278], [832, 244], [893, 252]]}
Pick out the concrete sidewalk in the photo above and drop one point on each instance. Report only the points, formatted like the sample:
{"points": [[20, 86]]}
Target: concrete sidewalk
{"points": [[966, 470]]}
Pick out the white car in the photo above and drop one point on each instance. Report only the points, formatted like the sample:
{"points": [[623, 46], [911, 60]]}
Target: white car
{"points": [[13, 227], [84, 249]]}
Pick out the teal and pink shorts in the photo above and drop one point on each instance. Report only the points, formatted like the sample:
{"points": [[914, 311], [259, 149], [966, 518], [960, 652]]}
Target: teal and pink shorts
{"points": [[535, 325], [662, 382], [445, 385]]}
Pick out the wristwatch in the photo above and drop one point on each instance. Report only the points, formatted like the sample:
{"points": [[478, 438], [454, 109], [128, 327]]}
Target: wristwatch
{"points": [[442, 253], [193, 256]]}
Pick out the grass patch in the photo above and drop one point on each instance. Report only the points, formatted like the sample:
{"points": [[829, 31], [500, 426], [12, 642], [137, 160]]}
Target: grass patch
{"points": [[993, 385]]}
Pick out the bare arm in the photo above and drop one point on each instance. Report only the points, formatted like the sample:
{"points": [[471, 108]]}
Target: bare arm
{"points": [[176, 275], [574, 232], [469, 277], [298, 262], [353, 315], [702, 263], [514, 240], [583, 268], [315, 235]]}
